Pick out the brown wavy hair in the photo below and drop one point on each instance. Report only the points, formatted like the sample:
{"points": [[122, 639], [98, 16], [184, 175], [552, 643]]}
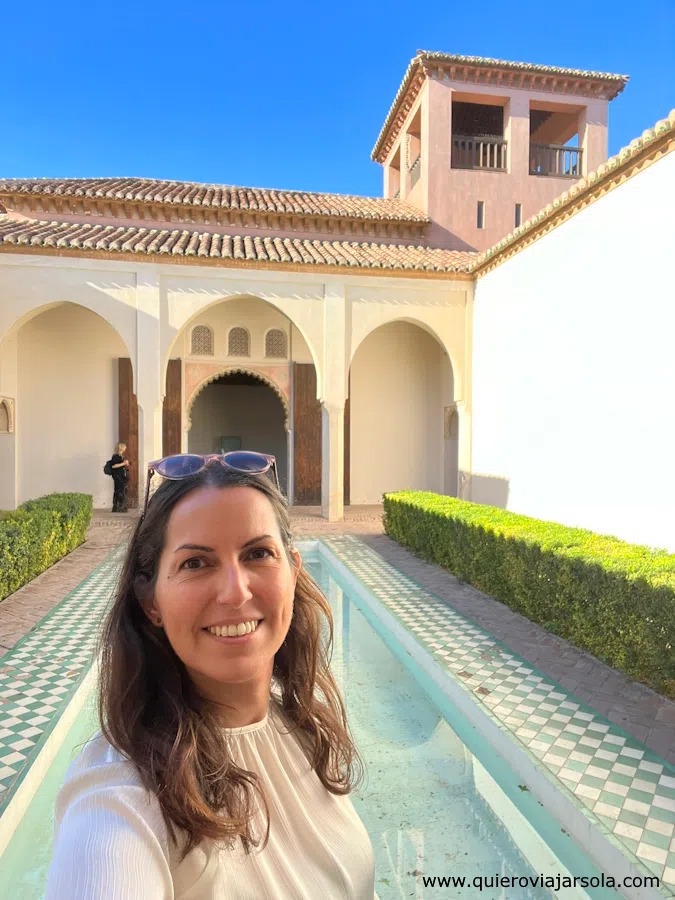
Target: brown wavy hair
{"points": [[151, 713]]}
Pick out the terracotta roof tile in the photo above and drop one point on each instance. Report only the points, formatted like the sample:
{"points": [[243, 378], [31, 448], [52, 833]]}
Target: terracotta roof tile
{"points": [[205, 245], [616, 83], [215, 196]]}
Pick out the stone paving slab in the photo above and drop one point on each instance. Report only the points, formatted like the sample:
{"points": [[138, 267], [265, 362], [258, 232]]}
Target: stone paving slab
{"points": [[23, 609]]}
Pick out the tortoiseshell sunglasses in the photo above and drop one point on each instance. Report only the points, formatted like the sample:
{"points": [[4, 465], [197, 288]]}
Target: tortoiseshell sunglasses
{"points": [[183, 465]]}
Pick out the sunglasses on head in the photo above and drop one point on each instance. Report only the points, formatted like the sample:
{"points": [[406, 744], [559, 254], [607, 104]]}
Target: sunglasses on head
{"points": [[184, 465]]}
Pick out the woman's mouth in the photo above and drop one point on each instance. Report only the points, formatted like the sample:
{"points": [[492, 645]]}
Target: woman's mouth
{"points": [[237, 631]]}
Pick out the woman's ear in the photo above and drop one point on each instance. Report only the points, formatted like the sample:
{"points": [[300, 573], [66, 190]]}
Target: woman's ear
{"points": [[146, 597], [297, 563]]}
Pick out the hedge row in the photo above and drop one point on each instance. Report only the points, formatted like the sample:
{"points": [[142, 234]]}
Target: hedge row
{"points": [[613, 599], [37, 534]]}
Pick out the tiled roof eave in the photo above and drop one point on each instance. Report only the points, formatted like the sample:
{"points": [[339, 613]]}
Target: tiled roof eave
{"points": [[181, 246], [253, 203], [416, 69]]}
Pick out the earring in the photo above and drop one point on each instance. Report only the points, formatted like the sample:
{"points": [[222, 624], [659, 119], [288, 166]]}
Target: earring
{"points": [[158, 621]]}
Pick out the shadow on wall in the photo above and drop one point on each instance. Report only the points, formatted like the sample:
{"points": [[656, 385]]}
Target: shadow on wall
{"points": [[491, 490]]}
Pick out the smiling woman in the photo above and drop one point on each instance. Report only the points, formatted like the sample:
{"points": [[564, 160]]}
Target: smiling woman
{"points": [[224, 763]]}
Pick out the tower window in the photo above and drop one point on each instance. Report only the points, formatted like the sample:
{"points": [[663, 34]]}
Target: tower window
{"points": [[480, 214], [519, 214]]}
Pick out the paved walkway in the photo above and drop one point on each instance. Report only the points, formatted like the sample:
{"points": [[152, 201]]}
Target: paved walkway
{"points": [[635, 708]]}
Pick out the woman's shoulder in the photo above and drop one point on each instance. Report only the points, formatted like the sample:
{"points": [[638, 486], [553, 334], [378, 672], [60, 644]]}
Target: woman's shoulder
{"points": [[100, 764]]}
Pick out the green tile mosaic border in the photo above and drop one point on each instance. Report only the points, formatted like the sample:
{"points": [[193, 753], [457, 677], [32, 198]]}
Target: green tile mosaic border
{"points": [[42, 672], [617, 780]]}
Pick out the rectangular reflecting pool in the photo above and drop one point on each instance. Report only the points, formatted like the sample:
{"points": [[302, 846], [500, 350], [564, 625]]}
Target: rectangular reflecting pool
{"points": [[437, 801], [433, 807]]}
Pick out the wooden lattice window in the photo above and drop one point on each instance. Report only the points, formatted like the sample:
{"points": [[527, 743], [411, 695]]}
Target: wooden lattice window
{"points": [[4, 418], [202, 341], [238, 342], [275, 343]]}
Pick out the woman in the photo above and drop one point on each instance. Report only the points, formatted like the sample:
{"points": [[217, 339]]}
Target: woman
{"points": [[225, 762], [120, 474]]}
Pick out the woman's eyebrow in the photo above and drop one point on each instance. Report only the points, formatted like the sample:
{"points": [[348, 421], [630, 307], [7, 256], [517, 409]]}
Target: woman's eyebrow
{"points": [[261, 537], [194, 547], [205, 549]]}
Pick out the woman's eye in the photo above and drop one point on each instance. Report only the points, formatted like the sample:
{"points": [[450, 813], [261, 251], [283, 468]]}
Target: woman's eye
{"points": [[194, 563], [260, 553]]}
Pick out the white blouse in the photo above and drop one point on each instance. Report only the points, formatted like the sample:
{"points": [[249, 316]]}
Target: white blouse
{"points": [[111, 840]]}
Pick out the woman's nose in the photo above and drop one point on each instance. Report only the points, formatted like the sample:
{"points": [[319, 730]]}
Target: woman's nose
{"points": [[233, 588]]}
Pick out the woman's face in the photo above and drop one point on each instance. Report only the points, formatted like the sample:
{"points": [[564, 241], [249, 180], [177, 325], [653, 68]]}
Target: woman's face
{"points": [[224, 566]]}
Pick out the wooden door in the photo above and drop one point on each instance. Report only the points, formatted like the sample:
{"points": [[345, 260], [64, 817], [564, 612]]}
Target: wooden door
{"points": [[128, 424], [171, 409], [347, 446], [306, 437]]}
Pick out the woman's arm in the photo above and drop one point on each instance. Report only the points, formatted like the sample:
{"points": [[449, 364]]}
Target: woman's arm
{"points": [[111, 842]]}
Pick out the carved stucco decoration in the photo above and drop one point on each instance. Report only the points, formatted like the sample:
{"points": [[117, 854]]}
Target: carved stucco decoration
{"points": [[199, 375], [6, 415]]}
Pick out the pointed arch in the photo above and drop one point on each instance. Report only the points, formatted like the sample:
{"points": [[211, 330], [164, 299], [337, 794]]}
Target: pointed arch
{"points": [[231, 370]]}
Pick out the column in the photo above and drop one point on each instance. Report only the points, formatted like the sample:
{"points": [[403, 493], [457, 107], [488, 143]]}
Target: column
{"points": [[465, 403], [9, 457], [332, 462], [149, 388], [518, 137], [336, 329], [593, 135]]}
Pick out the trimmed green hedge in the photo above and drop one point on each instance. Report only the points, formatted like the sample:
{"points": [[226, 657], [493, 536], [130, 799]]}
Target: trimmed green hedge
{"points": [[613, 599], [39, 533]]}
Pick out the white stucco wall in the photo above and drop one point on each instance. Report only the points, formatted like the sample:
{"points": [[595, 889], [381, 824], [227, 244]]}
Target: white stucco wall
{"points": [[252, 313], [151, 305], [396, 413], [574, 369], [67, 402]]}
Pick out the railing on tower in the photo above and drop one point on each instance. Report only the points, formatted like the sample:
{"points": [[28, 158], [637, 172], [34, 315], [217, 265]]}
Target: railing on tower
{"points": [[555, 159], [478, 153]]}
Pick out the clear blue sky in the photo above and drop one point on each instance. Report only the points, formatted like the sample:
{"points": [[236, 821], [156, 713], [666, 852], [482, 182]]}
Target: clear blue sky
{"points": [[281, 94]]}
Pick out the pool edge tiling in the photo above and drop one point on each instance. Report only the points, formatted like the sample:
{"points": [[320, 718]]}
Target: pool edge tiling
{"points": [[42, 674], [624, 789]]}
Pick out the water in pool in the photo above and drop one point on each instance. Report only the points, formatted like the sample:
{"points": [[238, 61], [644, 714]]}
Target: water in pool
{"points": [[429, 806], [423, 801]]}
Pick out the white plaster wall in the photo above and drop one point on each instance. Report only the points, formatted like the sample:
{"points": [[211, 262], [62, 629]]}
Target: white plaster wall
{"points": [[28, 283], [438, 306], [8, 448], [396, 413], [185, 296], [250, 313], [67, 403], [255, 414], [574, 369]]}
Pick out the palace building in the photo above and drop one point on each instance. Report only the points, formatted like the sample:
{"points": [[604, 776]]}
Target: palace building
{"points": [[483, 330]]}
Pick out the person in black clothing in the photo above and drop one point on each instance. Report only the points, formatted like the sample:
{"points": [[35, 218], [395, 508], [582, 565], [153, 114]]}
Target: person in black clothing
{"points": [[120, 474]]}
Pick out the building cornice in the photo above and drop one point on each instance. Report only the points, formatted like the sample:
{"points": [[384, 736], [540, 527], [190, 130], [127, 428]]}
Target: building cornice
{"points": [[191, 204], [460, 273], [474, 70], [641, 153]]}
